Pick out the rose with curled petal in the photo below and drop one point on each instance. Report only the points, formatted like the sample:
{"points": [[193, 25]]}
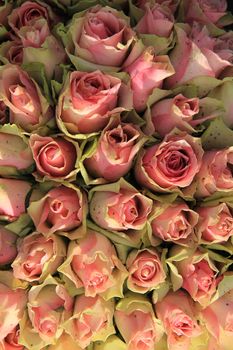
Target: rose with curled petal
{"points": [[146, 271], [101, 35], [38, 257], [10, 342], [92, 263], [28, 107], [92, 320], [88, 100], [147, 72], [136, 322], [175, 223], [12, 51], [116, 148], [8, 250], [55, 157], [215, 223], [176, 311], [13, 195], [215, 173], [171, 164], [61, 209], [121, 209]]}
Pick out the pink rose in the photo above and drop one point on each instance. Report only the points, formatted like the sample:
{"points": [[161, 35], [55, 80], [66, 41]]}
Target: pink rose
{"points": [[177, 314], [5, 10], [8, 250], [13, 195], [62, 210], [175, 223], [28, 108], [55, 157], [114, 154], [92, 263], [10, 342], [171, 4], [147, 72], [205, 11], [92, 320], [170, 164], [12, 51], [215, 223], [102, 36], [145, 270], [215, 173], [120, 209], [38, 257], [88, 100], [157, 20]]}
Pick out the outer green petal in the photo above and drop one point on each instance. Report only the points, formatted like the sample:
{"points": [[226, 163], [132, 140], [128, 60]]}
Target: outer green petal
{"points": [[112, 343]]}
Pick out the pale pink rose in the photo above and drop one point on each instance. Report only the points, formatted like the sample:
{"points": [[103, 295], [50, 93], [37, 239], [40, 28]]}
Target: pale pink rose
{"points": [[175, 224], [55, 157], [117, 146], [147, 72], [10, 342], [92, 320], [88, 100], [28, 108], [171, 4], [13, 195], [205, 11], [170, 164], [145, 270], [8, 250], [38, 257], [177, 314], [215, 223], [157, 20], [215, 173], [61, 209]]}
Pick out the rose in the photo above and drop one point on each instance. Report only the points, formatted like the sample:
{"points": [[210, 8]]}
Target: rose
{"points": [[38, 257], [157, 20], [28, 107], [215, 173], [3, 113], [147, 72], [12, 51], [101, 36], [143, 330], [55, 157], [146, 271], [115, 151], [92, 263], [170, 164], [171, 4], [5, 9], [10, 342], [119, 207], [62, 210], [113, 342], [92, 320], [8, 250], [64, 342], [207, 11], [215, 223], [175, 223], [88, 100], [177, 314], [13, 195]]}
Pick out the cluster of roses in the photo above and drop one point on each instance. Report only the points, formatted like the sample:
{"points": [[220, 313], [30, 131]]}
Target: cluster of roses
{"points": [[116, 175]]}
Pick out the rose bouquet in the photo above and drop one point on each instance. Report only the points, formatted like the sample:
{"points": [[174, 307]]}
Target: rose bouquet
{"points": [[116, 175]]}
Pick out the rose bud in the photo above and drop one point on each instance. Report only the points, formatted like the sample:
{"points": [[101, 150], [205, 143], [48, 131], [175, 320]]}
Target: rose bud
{"points": [[157, 20], [171, 164], [215, 173], [115, 151], [13, 195], [119, 207], [92, 320], [12, 51], [92, 263], [177, 315], [135, 320], [11, 341], [174, 223], [8, 250], [146, 271], [38, 257], [102, 35], [62, 210], [28, 107], [147, 72], [55, 157], [88, 100], [215, 223]]}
